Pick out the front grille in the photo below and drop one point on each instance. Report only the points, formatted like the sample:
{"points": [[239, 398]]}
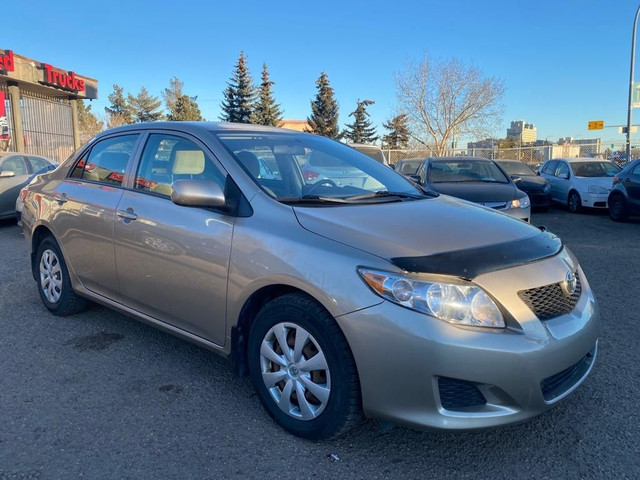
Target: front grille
{"points": [[555, 385], [550, 301], [459, 394]]}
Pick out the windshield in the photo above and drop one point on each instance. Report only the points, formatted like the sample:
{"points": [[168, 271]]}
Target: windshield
{"points": [[454, 171], [516, 168], [594, 169], [314, 169]]}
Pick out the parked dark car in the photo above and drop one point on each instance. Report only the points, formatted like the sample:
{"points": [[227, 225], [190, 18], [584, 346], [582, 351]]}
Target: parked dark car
{"points": [[477, 180], [408, 166], [16, 171], [624, 199], [537, 188]]}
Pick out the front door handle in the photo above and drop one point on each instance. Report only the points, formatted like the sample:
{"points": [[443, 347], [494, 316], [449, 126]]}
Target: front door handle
{"points": [[60, 197], [127, 214]]}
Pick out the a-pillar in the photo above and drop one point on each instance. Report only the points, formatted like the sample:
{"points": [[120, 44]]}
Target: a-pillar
{"points": [[16, 117]]}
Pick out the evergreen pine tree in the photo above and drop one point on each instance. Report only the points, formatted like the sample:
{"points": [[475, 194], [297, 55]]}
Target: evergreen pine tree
{"points": [[88, 123], [119, 112], [398, 137], [324, 110], [361, 130], [145, 107], [181, 107], [266, 111], [186, 110], [239, 95]]}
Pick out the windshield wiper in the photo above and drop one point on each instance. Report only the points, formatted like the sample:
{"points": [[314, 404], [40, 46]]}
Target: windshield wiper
{"points": [[384, 194], [312, 199]]}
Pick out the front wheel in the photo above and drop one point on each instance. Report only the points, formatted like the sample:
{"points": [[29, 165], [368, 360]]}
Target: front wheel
{"points": [[575, 203], [54, 284], [303, 369], [618, 208]]}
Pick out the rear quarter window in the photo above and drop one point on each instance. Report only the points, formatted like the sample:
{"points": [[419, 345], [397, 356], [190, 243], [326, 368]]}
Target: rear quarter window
{"points": [[106, 161]]}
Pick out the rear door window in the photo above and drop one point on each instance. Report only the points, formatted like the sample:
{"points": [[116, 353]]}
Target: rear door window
{"points": [[106, 161]]}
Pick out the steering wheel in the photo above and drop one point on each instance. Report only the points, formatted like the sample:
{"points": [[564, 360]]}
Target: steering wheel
{"points": [[324, 181]]}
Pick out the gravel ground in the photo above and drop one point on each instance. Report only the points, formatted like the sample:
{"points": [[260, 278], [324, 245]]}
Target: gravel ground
{"points": [[99, 395]]}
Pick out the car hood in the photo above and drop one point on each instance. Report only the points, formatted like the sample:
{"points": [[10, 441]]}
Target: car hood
{"points": [[478, 192], [414, 228], [531, 182]]}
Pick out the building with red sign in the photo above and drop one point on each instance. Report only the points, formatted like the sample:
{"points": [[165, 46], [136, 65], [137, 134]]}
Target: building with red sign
{"points": [[38, 106]]}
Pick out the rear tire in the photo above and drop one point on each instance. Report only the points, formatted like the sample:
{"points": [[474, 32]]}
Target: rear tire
{"points": [[575, 202], [310, 385], [54, 284], [618, 208]]}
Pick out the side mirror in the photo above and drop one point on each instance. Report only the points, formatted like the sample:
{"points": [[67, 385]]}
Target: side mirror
{"points": [[415, 178], [7, 174], [516, 179], [197, 193]]}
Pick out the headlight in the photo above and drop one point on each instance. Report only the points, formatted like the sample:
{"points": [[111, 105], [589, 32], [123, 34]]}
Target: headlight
{"points": [[456, 302], [597, 189], [520, 202]]}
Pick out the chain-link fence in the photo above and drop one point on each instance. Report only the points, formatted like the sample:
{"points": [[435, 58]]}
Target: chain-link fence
{"points": [[532, 155]]}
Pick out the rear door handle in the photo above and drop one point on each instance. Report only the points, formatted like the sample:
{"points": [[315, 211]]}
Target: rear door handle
{"points": [[127, 214], [60, 197]]}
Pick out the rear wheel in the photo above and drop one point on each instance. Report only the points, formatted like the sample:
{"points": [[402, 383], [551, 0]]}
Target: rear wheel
{"points": [[575, 202], [54, 284], [303, 369], [618, 208]]}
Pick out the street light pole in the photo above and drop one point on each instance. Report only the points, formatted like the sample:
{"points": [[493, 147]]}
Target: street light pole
{"points": [[633, 61]]}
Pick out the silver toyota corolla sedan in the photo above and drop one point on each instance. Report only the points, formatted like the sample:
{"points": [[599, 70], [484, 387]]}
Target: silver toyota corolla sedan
{"points": [[340, 300]]}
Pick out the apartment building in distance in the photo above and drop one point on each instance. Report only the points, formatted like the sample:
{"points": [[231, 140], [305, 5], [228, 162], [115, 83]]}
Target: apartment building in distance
{"points": [[522, 131]]}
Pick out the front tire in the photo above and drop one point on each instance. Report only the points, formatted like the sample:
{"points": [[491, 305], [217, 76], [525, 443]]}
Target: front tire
{"points": [[575, 202], [54, 284], [303, 369], [618, 208]]}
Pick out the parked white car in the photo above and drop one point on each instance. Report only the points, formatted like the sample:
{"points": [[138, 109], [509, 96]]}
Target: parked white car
{"points": [[579, 182]]}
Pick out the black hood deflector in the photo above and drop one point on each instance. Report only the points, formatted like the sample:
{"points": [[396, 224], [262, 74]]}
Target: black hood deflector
{"points": [[470, 263]]}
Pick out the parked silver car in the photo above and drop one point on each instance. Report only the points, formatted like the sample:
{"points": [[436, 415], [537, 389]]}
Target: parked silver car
{"points": [[339, 299], [579, 182], [17, 170]]}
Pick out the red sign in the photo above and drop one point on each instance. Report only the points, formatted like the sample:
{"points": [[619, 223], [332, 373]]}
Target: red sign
{"points": [[68, 81], [6, 61]]}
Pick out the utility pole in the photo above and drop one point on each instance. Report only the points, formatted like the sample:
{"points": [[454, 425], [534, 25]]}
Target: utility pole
{"points": [[633, 61]]}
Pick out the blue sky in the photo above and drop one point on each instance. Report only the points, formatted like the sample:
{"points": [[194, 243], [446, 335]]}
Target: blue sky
{"points": [[563, 62]]}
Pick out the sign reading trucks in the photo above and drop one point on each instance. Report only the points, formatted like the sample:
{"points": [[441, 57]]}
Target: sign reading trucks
{"points": [[63, 80], [6, 61]]}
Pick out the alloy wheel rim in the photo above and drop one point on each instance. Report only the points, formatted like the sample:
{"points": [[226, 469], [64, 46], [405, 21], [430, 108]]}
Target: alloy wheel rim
{"points": [[295, 371], [573, 202], [50, 276]]}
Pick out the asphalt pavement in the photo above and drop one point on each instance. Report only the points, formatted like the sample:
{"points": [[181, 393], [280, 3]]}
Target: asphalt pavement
{"points": [[99, 395]]}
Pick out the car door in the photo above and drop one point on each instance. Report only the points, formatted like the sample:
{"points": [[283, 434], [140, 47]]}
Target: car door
{"points": [[547, 171], [85, 212], [173, 260], [562, 182], [633, 186], [14, 174]]}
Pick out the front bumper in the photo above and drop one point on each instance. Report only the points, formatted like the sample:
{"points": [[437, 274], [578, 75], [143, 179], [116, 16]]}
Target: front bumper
{"points": [[402, 356], [519, 213], [594, 200]]}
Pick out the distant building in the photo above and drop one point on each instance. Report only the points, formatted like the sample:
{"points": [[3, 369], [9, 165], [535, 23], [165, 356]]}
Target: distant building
{"points": [[483, 148], [525, 132], [299, 125], [588, 146]]}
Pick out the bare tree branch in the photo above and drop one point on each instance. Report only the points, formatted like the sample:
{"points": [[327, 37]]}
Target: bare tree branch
{"points": [[444, 99]]}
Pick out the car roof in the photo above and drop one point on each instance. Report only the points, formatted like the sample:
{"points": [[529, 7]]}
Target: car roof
{"points": [[6, 154], [458, 159], [195, 127], [581, 159]]}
